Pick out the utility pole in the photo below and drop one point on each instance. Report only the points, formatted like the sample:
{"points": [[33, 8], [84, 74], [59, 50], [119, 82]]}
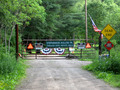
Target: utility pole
{"points": [[86, 20]]}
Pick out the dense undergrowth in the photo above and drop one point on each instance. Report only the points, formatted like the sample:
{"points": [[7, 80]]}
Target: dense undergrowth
{"points": [[107, 69], [11, 71]]}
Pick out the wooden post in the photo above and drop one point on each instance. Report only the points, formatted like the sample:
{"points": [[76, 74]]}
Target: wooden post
{"points": [[16, 28], [86, 20], [36, 55], [81, 53], [69, 51], [109, 53]]}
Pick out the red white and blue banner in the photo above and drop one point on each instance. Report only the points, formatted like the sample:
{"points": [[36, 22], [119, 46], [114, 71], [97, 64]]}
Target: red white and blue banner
{"points": [[46, 51], [59, 51], [95, 27]]}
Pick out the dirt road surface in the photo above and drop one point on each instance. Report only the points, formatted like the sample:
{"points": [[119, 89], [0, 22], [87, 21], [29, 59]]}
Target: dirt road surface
{"points": [[60, 74]]}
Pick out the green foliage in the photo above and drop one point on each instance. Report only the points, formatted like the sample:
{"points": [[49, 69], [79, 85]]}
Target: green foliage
{"points": [[67, 17], [111, 64], [112, 79], [9, 81], [10, 70], [107, 69], [108, 65], [20, 11], [60, 19], [46, 29], [14, 12], [7, 62]]}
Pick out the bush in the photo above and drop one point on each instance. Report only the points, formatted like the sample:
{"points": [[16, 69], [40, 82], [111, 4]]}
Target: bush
{"points": [[7, 63], [10, 80], [115, 64], [111, 64]]}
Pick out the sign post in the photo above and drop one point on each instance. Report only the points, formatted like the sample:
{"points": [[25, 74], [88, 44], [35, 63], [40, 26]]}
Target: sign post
{"points": [[108, 46], [81, 53], [81, 46], [100, 51], [108, 32], [109, 53]]}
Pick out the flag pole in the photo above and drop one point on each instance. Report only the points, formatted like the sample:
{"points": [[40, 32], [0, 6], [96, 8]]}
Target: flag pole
{"points": [[86, 20]]}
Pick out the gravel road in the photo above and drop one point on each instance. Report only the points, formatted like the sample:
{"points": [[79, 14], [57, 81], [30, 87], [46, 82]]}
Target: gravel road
{"points": [[60, 74]]}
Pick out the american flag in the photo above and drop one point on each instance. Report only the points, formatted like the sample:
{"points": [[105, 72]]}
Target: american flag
{"points": [[95, 27]]}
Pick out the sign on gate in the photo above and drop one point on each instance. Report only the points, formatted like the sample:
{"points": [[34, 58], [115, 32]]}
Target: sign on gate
{"points": [[71, 49], [80, 45], [57, 44], [38, 46], [88, 45], [30, 46]]}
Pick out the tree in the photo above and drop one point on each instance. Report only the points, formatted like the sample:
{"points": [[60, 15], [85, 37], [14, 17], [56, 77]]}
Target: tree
{"points": [[19, 12], [46, 29], [97, 11], [67, 19]]}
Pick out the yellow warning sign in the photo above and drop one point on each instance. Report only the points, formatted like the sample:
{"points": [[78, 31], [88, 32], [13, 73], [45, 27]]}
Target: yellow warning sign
{"points": [[30, 46], [88, 45], [108, 32]]}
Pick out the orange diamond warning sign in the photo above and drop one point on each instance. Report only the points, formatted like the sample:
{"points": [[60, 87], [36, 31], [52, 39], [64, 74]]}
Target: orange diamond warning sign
{"points": [[88, 45], [30, 46]]}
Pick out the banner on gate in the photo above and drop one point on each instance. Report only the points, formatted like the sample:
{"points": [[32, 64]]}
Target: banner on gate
{"points": [[59, 51], [46, 51]]}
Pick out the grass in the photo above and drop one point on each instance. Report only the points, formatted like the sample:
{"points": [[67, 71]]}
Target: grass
{"points": [[10, 80], [86, 59], [107, 69], [109, 77]]}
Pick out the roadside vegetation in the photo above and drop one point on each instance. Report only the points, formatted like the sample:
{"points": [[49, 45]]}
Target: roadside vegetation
{"points": [[107, 69], [11, 71]]}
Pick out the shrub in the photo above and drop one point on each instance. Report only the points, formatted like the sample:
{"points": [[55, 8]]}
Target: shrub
{"points": [[7, 63], [10, 80], [111, 64], [115, 64]]}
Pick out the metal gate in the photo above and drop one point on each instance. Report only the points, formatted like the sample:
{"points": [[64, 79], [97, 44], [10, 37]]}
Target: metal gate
{"points": [[70, 48]]}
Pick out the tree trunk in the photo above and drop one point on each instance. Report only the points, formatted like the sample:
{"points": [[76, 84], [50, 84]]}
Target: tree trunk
{"points": [[0, 33], [5, 41], [10, 37]]}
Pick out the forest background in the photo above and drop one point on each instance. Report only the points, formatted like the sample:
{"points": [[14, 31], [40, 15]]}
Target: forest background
{"points": [[39, 19], [49, 19]]}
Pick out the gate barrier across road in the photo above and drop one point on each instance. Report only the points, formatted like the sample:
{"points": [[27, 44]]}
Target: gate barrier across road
{"points": [[70, 48]]}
